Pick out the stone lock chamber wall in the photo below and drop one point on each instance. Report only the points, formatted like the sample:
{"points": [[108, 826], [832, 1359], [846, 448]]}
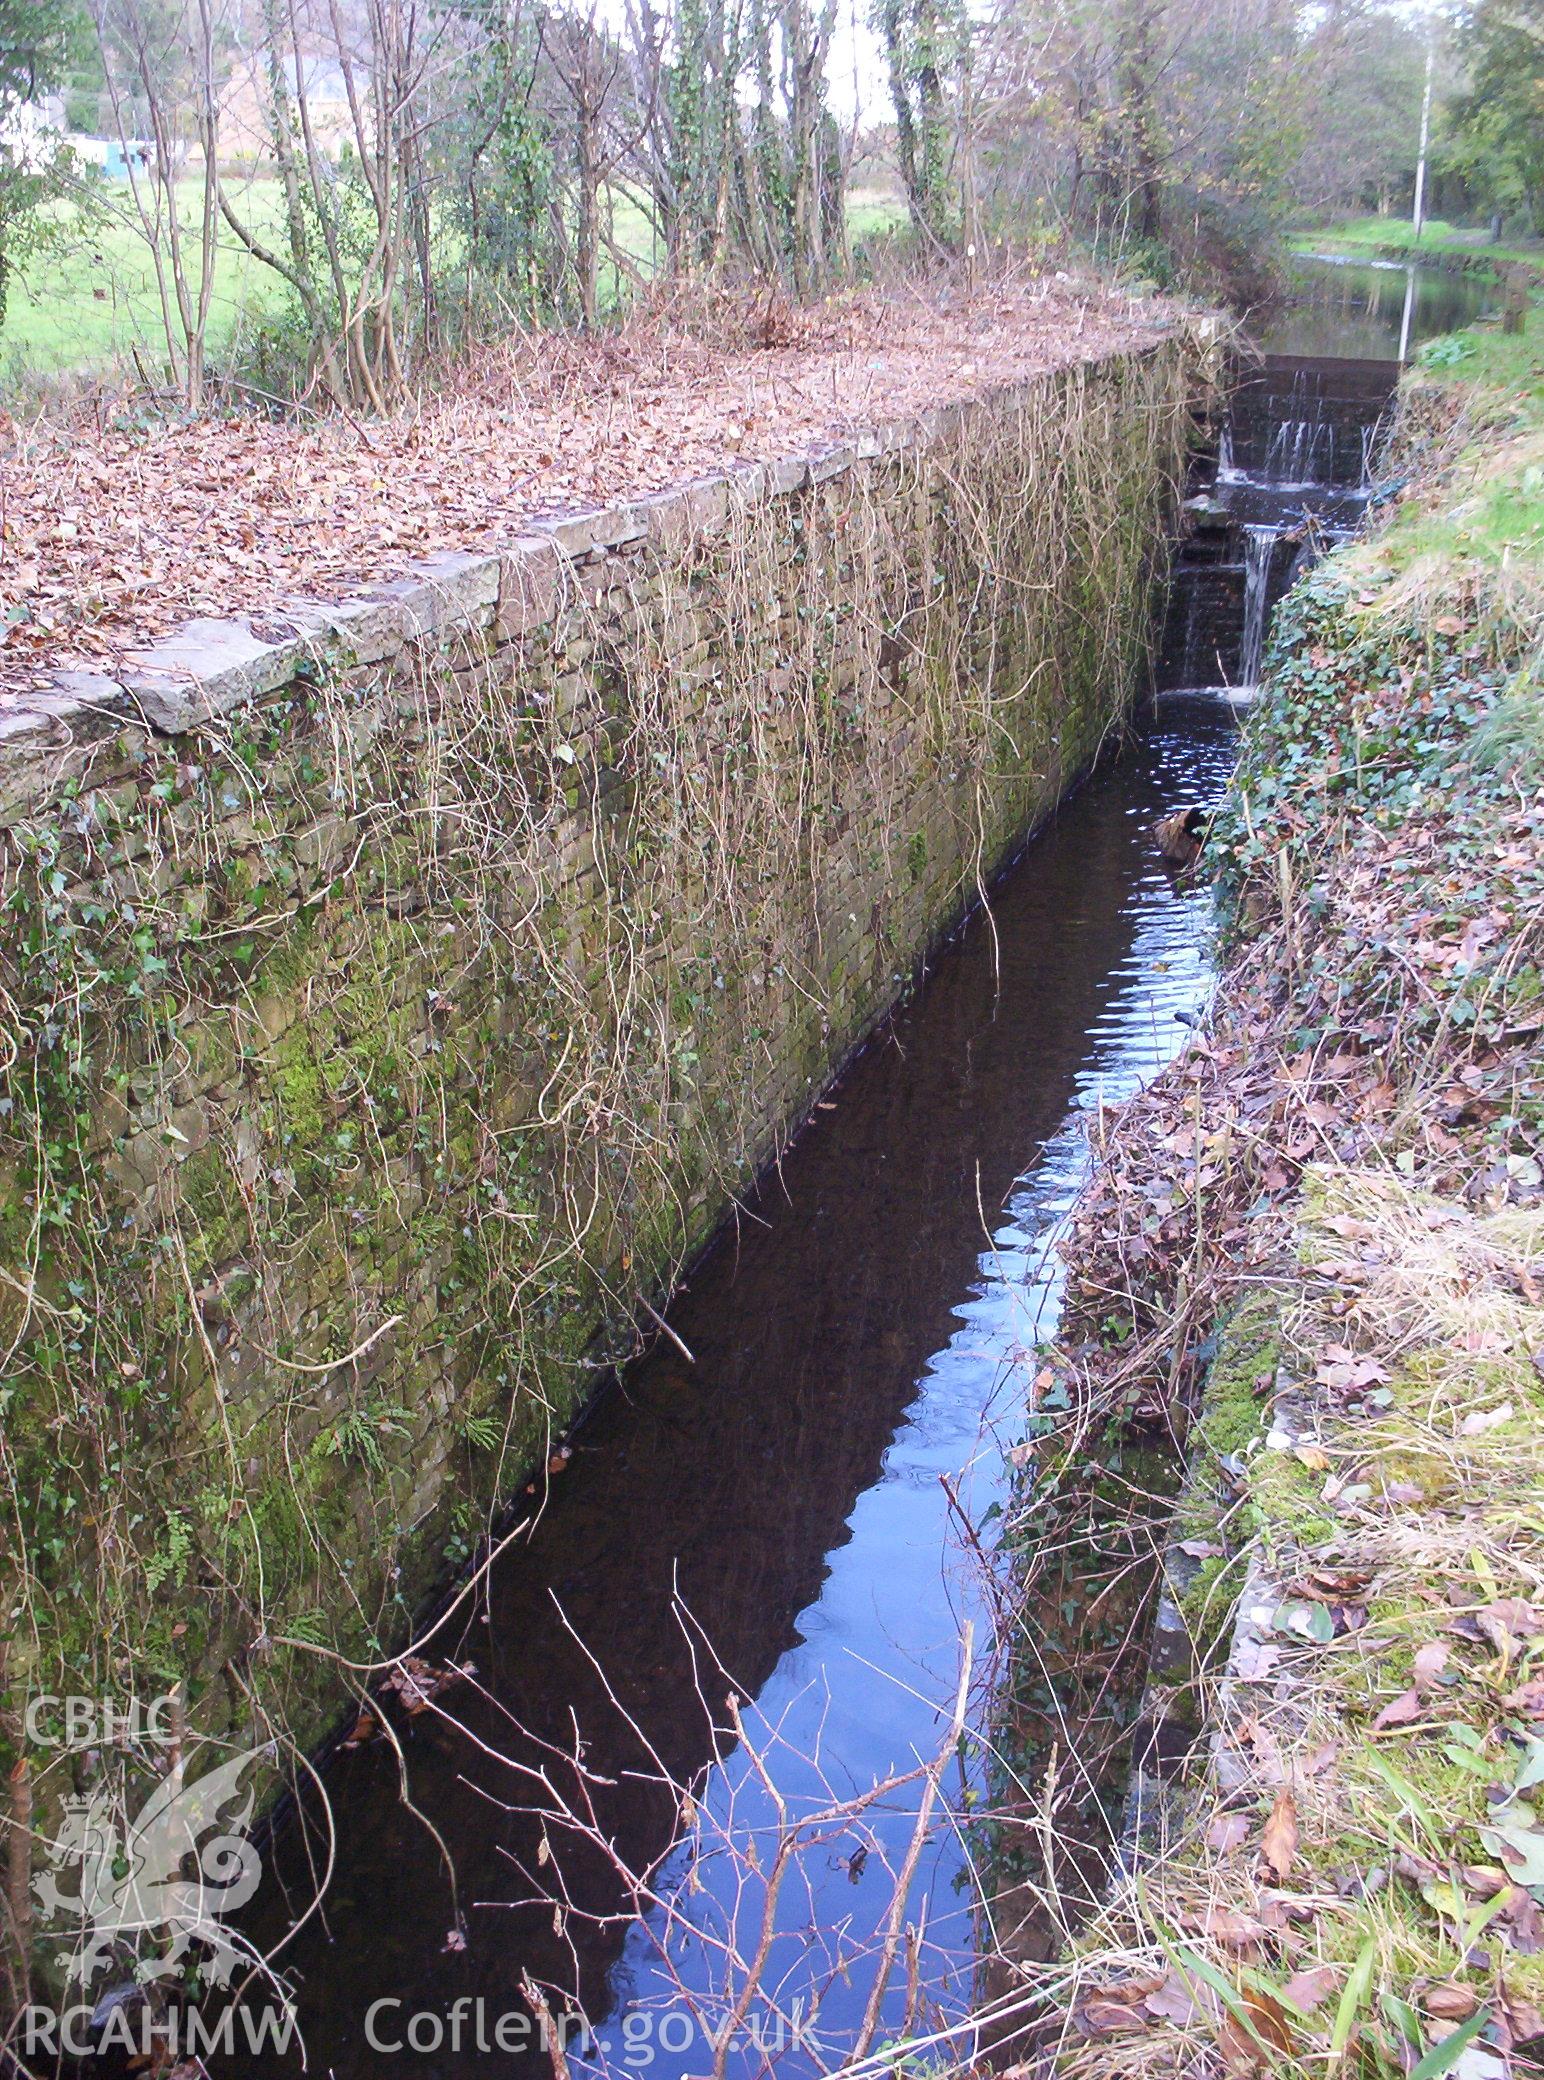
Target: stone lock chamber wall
{"points": [[394, 995]]}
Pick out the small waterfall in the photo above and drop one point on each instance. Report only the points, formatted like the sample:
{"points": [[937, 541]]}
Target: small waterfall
{"points": [[1297, 459], [1259, 549], [1301, 451], [1320, 456], [1190, 652]]}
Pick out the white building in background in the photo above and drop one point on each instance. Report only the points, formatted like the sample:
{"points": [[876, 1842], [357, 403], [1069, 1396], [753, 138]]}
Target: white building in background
{"points": [[32, 132]]}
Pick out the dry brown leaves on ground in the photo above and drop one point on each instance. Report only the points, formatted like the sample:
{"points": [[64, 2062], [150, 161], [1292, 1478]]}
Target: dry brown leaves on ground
{"points": [[119, 531]]}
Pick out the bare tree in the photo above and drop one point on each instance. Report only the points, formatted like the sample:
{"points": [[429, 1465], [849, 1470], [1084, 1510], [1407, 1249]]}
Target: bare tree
{"points": [[429, 156], [160, 60], [592, 66], [766, 1869]]}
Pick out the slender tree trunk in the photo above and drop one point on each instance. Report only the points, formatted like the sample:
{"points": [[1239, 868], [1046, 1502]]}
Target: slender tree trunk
{"points": [[587, 200], [1136, 122], [892, 29]]}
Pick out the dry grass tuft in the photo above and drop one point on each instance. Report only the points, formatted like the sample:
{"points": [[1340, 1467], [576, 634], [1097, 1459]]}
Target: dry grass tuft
{"points": [[1364, 1818]]}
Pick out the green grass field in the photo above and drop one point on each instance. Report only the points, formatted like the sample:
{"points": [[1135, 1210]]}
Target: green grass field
{"points": [[91, 298], [1367, 234]]}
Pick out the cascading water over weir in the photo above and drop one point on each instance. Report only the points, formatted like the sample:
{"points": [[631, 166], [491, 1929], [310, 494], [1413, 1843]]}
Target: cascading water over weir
{"points": [[1259, 553], [1301, 451], [1293, 473]]}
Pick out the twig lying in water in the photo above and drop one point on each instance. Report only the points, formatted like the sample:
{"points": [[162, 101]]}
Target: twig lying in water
{"points": [[661, 1324]]}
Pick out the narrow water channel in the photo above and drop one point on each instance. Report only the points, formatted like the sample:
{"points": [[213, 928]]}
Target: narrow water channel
{"points": [[752, 1579], [1366, 309], [780, 1521]]}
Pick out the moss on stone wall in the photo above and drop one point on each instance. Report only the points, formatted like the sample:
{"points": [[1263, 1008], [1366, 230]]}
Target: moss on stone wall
{"points": [[376, 1045]]}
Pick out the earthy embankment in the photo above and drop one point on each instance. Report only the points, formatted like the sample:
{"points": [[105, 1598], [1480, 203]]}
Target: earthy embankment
{"points": [[1323, 1232], [1438, 245]]}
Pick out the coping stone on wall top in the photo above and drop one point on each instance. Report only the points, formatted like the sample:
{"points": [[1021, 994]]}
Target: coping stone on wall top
{"points": [[941, 422], [833, 463], [788, 473], [88, 705], [465, 581], [45, 730], [74, 708], [896, 435], [452, 588], [668, 516], [531, 584], [357, 630], [204, 669], [745, 483], [447, 592], [707, 503], [596, 527]]}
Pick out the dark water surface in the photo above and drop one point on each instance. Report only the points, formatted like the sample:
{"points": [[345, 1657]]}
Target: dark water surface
{"points": [[1363, 309], [774, 1521], [781, 1523]]}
